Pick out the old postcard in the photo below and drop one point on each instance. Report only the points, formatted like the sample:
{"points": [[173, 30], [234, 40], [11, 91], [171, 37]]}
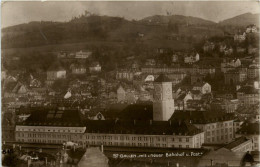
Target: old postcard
{"points": [[130, 83]]}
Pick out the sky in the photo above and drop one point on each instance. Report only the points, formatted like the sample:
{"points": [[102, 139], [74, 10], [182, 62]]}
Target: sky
{"points": [[13, 13]]}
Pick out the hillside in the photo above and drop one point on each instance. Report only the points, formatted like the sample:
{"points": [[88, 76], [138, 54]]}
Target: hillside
{"points": [[105, 28], [176, 19], [241, 20]]}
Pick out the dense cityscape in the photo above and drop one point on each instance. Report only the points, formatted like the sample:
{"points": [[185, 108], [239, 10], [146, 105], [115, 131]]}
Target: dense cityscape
{"points": [[165, 93]]}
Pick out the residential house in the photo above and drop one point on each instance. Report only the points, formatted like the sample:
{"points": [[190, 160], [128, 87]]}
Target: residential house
{"points": [[78, 69], [54, 72], [251, 29], [125, 74], [222, 47], [228, 51], [208, 46], [95, 67], [181, 100], [150, 62], [203, 87], [164, 50], [175, 58], [248, 95], [190, 59], [253, 70], [227, 65], [204, 69], [240, 37], [228, 94], [235, 77], [237, 125], [229, 106], [83, 55], [240, 49], [252, 50]]}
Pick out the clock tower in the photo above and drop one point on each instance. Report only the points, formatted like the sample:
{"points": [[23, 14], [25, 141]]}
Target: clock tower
{"points": [[163, 104]]}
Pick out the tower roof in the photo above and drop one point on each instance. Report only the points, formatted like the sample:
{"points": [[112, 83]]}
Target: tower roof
{"points": [[162, 78]]}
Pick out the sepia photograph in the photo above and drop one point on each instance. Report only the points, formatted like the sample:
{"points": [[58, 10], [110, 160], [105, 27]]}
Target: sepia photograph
{"points": [[130, 83]]}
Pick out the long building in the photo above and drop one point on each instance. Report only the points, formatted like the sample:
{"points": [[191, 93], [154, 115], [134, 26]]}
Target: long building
{"points": [[59, 126]]}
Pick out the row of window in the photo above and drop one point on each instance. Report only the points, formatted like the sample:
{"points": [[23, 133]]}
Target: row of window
{"points": [[121, 138], [107, 143], [219, 138], [49, 130]]}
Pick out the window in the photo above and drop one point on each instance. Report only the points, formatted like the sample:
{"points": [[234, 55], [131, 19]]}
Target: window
{"points": [[172, 139], [187, 139], [180, 140], [187, 146], [179, 146]]}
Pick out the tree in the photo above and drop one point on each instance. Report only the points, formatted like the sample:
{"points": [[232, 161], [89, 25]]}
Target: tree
{"points": [[60, 85]]}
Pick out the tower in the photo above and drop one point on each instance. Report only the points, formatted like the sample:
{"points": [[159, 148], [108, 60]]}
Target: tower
{"points": [[163, 104]]}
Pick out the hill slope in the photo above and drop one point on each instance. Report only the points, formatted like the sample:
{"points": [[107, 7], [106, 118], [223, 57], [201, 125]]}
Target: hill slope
{"points": [[241, 20], [102, 28]]}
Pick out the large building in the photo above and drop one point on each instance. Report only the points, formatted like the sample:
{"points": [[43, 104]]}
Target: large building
{"points": [[235, 77], [248, 95], [218, 126], [51, 126], [163, 105], [59, 126]]}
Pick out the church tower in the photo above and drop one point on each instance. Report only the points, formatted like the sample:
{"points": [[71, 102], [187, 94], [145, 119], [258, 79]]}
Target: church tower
{"points": [[163, 104]]}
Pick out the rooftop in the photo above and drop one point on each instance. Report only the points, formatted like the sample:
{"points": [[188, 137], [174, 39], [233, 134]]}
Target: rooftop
{"points": [[141, 127], [201, 117], [236, 142], [54, 117], [162, 78]]}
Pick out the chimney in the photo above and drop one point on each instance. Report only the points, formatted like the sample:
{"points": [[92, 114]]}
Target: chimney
{"points": [[102, 148], [211, 162]]}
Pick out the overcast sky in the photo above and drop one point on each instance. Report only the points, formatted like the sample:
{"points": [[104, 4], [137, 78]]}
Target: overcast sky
{"points": [[23, 12]]}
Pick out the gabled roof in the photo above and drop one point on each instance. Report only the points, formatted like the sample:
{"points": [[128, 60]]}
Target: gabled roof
{"points": [[162, 78]]}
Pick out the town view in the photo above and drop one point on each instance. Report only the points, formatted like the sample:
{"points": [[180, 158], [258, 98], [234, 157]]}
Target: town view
{"points": [[120, 84]]}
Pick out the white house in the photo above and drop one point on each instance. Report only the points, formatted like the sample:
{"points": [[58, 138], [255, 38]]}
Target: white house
{"points": [[202, 87], [83, 55], [251, 29], [95, 67], [149, 78]]}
